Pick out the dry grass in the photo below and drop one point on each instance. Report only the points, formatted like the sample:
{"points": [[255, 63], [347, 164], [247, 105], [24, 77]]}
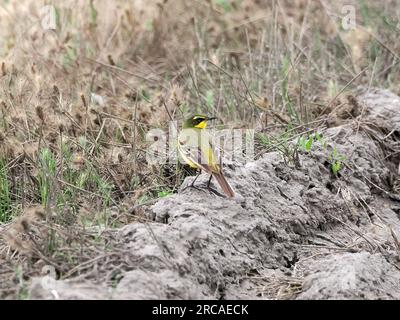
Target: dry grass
{"points": [[76, 103]]}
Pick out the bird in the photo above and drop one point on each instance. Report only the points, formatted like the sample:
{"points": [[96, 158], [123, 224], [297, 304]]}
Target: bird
{"points": [[194, 146]]}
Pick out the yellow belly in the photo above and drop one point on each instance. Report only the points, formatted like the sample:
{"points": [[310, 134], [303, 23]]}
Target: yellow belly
{"points": [[189, 140], [188, 161]]}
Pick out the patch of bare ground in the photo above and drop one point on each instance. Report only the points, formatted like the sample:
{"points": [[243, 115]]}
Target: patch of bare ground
{"points": [[291, 233]]}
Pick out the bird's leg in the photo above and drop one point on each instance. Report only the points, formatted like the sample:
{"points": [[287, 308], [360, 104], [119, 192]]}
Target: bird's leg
{"points": [[216, 192], [192, 184], [209, 181], [213, 190]]}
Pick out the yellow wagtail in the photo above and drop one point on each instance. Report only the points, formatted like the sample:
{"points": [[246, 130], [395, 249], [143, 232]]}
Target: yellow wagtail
{"points": [[194, 145]]}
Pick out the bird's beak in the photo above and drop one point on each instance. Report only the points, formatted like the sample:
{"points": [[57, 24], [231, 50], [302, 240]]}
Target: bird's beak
{"points": [[211, 118]]}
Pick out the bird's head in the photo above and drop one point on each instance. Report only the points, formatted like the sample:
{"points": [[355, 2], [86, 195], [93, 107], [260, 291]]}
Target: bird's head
{"points": [[197, 121]]}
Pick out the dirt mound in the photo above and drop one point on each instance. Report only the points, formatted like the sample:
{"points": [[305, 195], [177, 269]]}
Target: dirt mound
{"points": [[352, 276], [292, 232]]}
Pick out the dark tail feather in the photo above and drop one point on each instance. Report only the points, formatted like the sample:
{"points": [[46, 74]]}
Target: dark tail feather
{"points": [[224, 184]]}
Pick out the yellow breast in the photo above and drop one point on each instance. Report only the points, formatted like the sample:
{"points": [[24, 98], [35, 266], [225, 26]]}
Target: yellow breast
{"points": [[195, 147]]}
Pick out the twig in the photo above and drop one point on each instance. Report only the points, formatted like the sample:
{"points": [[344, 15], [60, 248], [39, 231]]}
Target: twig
{"points": [[343, 89]]}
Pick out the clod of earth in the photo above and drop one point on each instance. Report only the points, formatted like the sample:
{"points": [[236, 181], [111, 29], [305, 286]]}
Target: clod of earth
{"points": [[292, 233]]}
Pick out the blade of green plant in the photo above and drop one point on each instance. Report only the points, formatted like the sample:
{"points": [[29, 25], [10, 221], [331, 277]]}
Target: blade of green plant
{"points": [[47, 171], [5, 195]]}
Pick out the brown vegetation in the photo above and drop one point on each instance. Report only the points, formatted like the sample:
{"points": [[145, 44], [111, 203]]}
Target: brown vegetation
{"points": [[76, 103]]}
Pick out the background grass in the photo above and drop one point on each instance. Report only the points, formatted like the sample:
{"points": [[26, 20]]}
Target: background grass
{"points": [[76, 102]]}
